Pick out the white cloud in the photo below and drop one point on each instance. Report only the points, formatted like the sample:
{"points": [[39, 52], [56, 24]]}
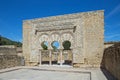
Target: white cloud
{"points": [[115, 25], [111, 36], [114, 11]]}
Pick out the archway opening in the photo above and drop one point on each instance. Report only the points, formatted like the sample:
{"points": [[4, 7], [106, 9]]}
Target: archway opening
{"points": [[44, 53], [44, 45], [67, 55], [55, 45], [66, 44]]}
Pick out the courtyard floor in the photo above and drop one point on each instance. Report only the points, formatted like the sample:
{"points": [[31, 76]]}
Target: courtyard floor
{"points": [[53, 73]]}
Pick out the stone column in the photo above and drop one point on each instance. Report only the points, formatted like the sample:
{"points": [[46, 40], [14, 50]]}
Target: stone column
{"points": [[40, 57], [61, 48], [50, 62], [61, 61]]}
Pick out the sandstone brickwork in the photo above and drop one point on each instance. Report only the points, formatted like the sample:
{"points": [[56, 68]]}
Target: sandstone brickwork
{"points": [[8, 50], [84, 30], [9, 57], [7, 61]]}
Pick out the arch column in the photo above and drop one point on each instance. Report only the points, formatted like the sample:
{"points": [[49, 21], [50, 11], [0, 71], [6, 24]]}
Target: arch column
{"points": [[61, 51], [50, 53], [40, 60]]}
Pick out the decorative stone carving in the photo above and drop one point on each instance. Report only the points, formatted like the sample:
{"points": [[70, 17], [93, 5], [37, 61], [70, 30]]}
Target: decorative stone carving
{"points": [[84, 30]]}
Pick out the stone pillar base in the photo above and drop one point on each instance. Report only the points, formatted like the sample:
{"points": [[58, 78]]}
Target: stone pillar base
{"points": [[76, 65], [27, 64], [31, 64]]}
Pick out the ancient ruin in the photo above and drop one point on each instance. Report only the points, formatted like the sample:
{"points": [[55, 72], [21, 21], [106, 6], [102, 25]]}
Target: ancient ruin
{"points": [[79, 38]]}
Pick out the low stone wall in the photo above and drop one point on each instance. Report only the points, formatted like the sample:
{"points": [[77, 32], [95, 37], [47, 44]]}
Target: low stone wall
{"points": [[7, 61], [9, 57], [111, 60], [7, 51]]}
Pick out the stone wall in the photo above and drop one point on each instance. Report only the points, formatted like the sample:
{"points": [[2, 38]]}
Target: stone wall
{"points": [[93, 38], [111, 60], [19, 51], [7, 51], [7, 61], [9, 58], [84, 30]]}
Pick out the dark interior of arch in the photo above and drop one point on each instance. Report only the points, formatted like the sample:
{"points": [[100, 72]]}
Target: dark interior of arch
{"points": [[66, 45]]}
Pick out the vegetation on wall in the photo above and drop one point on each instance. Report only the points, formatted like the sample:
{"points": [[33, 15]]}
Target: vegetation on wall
{"points": [[44, 46], [67, 45], [54, 48], [6, 41]]}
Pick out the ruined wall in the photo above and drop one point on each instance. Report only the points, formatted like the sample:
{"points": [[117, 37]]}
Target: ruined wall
{"points": [[7, 61], [87, 29], [8, 57], [19, 51], [7, 51], [111, 60]]}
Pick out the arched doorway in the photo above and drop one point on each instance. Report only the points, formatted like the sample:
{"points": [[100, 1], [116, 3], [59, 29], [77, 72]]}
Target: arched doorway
{"points": [[55, 52], [67, 52], [56, 48], [66, 44], [45, 53], [55, 45]]}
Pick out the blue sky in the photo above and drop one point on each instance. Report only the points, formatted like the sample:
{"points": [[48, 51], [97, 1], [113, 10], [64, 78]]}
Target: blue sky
{"points": [[13, 12]]}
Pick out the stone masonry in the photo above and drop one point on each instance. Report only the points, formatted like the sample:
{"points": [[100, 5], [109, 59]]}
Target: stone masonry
{"points": [[8, 57], [84, 30]]}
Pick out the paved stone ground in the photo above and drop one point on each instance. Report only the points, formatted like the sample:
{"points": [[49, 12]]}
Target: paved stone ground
{"points": [[51, 73]]}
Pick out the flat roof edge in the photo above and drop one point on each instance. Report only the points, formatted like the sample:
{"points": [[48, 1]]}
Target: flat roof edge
{"points": [[58, 16]]}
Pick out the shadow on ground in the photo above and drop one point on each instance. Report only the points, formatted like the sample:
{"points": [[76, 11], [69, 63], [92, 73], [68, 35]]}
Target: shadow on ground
{"points": [[108, 75]]}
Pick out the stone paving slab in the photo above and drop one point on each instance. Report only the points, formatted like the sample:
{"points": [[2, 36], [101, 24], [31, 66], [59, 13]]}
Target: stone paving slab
{"points": [[51, 73], [29, 74]]}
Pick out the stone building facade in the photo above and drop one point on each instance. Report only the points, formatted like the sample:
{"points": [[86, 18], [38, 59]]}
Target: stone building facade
{"points": [[85, 32]]}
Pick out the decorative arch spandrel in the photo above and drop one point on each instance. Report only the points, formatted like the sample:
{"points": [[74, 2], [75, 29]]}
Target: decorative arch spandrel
{"points": [[67, 36]]}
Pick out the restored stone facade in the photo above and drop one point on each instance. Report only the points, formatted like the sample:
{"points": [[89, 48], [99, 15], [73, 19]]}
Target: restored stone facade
{"points": [[84, 30]]}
